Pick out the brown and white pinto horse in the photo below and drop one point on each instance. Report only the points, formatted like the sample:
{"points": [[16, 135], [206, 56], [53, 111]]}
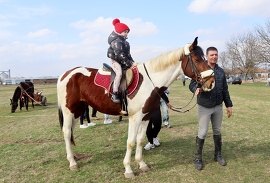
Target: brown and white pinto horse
{"points": [[76, 86]]}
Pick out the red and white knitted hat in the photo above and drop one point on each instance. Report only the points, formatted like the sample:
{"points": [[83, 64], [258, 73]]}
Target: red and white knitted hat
{"points": [[119, 27]]}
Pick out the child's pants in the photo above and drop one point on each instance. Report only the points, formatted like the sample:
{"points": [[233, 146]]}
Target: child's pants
{"points": [[118, 71]]}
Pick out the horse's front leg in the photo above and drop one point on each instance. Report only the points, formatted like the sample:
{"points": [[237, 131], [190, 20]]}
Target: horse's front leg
{"points": [[26, 103], [140, 139], [132, 133], [21, 104]]}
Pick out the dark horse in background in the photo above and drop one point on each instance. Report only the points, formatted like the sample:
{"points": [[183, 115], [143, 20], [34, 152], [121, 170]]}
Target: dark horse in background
{"points": [[22, 93]]}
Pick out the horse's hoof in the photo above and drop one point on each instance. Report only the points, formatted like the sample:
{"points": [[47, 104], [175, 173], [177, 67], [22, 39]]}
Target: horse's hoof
{"points": [[145, 169], [129, 175], [73, 168]]}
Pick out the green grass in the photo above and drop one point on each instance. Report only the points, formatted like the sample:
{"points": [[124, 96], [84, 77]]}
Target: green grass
{"points": [[32, 148]]}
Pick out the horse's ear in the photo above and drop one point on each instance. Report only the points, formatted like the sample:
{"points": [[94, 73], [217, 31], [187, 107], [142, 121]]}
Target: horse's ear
{"points": [[189, 47], [194, 44]]}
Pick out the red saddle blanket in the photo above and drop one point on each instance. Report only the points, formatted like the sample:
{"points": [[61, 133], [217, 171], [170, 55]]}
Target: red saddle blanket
{"points": [[102, 79]]}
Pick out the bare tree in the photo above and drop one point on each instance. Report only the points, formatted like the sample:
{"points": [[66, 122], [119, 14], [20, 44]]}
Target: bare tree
{"points": [[243, 51], [263, 33], [226, 63]]}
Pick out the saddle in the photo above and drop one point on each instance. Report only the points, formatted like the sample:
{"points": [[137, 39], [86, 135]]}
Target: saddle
{"points": [[126, 80], [128, 83]]}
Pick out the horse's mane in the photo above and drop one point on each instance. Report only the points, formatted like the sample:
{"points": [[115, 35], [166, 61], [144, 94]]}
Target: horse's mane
{"points": [[198, 51], [165, 60]]}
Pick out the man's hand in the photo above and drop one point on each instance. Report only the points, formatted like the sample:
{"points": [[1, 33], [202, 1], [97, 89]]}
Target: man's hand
{"points": [[229, 112], [198, 90], [169, 105]]}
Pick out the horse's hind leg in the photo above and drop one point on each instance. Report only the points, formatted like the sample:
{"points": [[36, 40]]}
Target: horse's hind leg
{"points": [[68, 128], [32, 101]]}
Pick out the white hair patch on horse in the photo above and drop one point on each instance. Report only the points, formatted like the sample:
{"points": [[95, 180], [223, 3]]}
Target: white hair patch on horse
{"points": [[207, 73], [83, 70], [186, 49]]}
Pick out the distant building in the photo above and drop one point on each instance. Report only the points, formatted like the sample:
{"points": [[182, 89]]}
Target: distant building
{"points": [[261, 73], [13, 81], [257, 73], [3, 75]]}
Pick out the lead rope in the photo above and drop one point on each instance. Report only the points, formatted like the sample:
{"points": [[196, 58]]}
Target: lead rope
{"points": [[176, 109]]}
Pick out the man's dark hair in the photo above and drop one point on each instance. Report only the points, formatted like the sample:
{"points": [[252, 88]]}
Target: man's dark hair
{"points": [[211, 48]]}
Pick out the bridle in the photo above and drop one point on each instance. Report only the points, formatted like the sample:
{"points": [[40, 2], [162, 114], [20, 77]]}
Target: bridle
{"points": [[198, 75]]}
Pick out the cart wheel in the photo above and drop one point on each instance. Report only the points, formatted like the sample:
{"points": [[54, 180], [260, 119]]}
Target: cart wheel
{"points": [[44, 101]]}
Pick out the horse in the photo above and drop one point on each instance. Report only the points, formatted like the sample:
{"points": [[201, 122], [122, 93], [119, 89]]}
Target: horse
{"points": [[23, 92], [77, 86]]}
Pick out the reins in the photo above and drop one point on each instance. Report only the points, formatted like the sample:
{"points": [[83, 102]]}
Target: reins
{"points": [[193, 70], [176, 109]]}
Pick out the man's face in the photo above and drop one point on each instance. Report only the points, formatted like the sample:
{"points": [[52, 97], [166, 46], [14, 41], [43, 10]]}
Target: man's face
{"points": [[212, 57]]}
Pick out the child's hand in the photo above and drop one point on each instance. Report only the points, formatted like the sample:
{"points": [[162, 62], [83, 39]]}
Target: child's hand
{"points": [[133, 65]]}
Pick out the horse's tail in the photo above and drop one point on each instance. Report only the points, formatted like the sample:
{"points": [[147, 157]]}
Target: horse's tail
{"points": [[61, 118], [61, 121]]}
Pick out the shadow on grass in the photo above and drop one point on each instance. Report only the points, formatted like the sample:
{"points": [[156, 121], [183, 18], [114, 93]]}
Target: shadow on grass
{"points": [[181, 151], [39, 106]]}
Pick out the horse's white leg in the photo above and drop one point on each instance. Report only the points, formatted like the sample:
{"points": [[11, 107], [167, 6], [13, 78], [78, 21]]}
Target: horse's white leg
{"points": [[140, 139], [67, 128], [132, 133]]}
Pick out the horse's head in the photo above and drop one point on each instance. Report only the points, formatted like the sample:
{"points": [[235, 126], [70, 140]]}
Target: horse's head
{"points": [[14, 105], [195, 66]]}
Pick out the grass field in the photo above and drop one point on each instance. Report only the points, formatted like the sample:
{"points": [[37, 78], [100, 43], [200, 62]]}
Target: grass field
{"points": [[32, 148]]}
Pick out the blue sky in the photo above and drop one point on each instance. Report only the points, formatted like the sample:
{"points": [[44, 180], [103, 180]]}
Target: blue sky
{"points": [[46, 38]]}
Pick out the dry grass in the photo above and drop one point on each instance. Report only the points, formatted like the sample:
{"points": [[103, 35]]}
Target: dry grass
{"points": [[32, 147]]}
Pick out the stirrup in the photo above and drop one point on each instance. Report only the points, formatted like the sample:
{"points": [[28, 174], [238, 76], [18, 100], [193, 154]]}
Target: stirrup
{"points": [[115, 98]]}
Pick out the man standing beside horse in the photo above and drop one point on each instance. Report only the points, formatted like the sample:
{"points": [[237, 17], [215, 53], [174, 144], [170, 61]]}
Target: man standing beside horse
{"points": [[210, 109]]}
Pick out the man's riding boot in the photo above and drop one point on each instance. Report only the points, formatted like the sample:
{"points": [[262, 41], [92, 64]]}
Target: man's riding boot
{"points": [[198, 156], [217, 156], [115, 97]]}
